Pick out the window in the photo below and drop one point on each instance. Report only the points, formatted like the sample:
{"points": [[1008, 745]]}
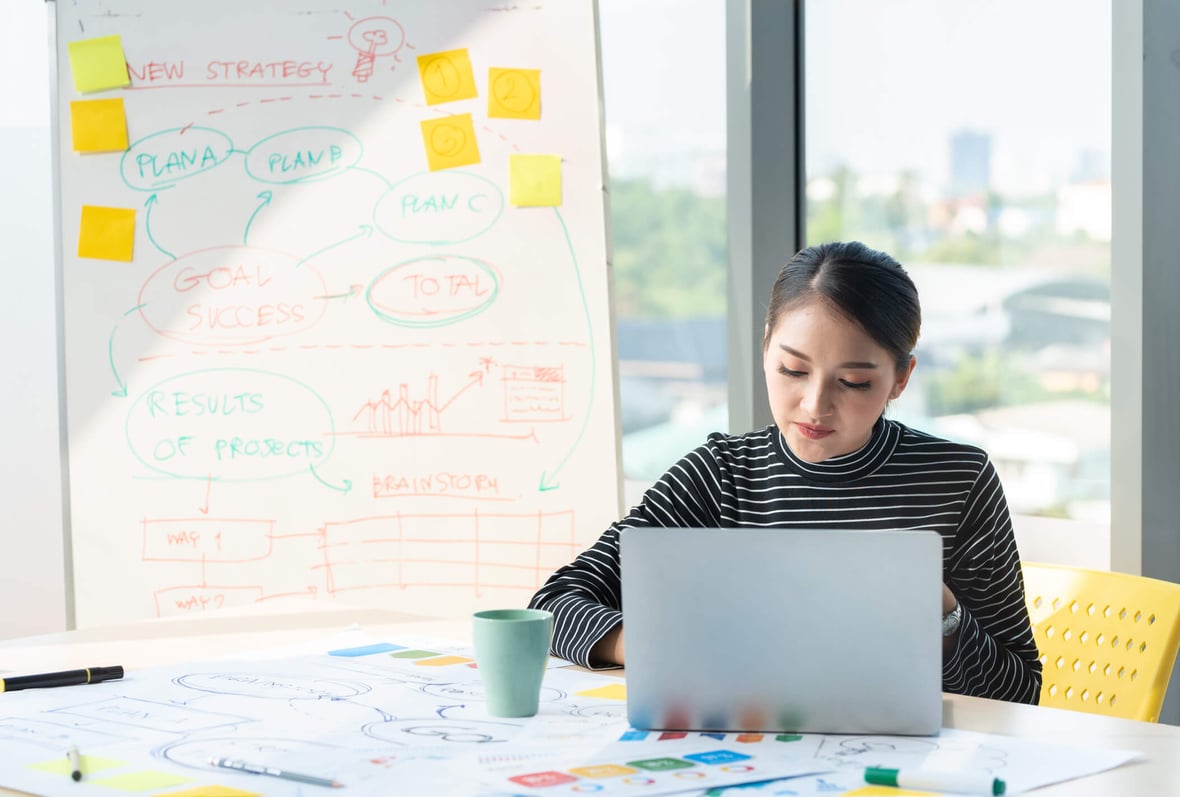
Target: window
{"points": [[972, 142], [663, 67]]}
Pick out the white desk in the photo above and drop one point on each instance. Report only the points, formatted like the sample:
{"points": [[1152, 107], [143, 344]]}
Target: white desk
{"points": [[159, 642]]}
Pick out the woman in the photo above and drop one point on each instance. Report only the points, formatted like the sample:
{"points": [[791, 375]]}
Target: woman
{"points": [[841, 326]]}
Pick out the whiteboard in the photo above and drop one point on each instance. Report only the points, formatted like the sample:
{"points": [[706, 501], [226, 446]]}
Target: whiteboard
{"points": [[332, 367]]}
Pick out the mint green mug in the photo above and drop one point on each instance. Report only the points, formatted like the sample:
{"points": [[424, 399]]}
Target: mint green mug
{"points": [[511, 652]]}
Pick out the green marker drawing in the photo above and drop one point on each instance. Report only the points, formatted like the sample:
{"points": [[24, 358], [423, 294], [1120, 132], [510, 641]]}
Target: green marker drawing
{"points": [[548, 478], [266, 197], [345, 489], [122, 391], [151, 203]]}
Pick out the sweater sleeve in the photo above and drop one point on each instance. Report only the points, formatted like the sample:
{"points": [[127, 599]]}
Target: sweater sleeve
{"points": [[995, 654], [585, 595]]}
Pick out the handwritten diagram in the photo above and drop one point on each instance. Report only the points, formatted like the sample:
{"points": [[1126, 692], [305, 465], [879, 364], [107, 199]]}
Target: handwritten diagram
{"points": [[411, 713], [342, 361]]}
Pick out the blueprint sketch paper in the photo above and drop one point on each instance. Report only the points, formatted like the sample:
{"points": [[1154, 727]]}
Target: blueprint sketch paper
{"points": [[1022, 764], [388, 714]]}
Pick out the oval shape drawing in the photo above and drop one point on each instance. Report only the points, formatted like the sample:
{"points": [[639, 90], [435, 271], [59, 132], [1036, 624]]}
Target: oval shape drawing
{"points": [[303, 154], [194, 753], [270, 687], [446, 207], [232, 294], [433, 291], [164, 158], [231, 425]]}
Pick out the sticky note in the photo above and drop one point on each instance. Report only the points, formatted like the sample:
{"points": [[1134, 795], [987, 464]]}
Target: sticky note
{"points": [[414, 654], [210, 791], [601, 771], [450, 142], [99, 125], [107, 233], [90, 764], [98, 64], [514, 93], [442, 661], [446, 76], [609, 692], [886, 791], [534, 180], [140, 781]]}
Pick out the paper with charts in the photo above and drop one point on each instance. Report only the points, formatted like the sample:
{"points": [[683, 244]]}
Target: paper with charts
{"points": [[378, 715], [336, 316]]}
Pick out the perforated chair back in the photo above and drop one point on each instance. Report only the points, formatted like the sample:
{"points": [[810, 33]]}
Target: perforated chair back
{"points": [[1107, 640]]}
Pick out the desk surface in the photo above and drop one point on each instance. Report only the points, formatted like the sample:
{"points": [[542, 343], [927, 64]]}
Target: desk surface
{"points": [[158, 642]]}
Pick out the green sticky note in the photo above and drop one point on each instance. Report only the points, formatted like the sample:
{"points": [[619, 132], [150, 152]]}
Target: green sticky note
{"points": [[98, 64], [534, 180], [414, 654]]}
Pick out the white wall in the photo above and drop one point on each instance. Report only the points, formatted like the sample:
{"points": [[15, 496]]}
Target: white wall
{"points": [[32, 568]]}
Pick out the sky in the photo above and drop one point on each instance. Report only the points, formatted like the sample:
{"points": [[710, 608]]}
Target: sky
{"points": [[886, 81]]}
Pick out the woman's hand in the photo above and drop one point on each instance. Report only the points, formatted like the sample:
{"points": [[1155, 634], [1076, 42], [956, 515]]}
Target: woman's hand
{"points": [[609, 649], [949, 602]]}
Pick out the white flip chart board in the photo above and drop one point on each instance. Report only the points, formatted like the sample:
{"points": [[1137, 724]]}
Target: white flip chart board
{"points": [[326, 332]]}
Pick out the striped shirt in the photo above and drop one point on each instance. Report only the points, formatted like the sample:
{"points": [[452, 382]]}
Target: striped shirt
{"points": [[900, 479]]}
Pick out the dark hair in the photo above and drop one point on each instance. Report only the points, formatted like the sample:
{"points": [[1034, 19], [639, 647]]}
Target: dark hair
{"points": [[864, 285]]}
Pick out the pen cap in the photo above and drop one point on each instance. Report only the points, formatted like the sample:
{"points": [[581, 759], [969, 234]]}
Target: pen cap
{"points": [[98, 674]]}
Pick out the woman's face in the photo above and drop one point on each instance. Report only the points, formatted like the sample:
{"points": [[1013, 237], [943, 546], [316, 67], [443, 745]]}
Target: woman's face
{"points": [[828, 381]]}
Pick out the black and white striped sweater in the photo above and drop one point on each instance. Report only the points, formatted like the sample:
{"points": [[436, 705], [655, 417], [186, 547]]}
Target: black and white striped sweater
{"points": [[900, 479]]}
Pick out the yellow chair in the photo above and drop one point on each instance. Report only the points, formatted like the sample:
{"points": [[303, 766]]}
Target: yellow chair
{"points": [[1107, 640]]}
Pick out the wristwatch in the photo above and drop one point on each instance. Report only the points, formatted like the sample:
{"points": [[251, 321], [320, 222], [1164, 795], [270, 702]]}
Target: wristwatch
{"points": [[951, 620]]}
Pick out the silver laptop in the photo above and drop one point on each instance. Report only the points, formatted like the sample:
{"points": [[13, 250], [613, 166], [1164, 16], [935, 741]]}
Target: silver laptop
{"points": [[773, 630]]}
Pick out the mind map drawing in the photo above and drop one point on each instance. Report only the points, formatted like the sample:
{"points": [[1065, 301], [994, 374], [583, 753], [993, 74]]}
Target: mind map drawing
{"points": [[331, 366]]}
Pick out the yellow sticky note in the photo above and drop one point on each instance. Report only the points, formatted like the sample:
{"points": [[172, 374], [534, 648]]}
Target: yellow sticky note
{"points": [[514, 93], [210, 791], [140, 781], [534, 180], [450, 142], [107, 233], [886, 791], [609, 692], [89, 763], [442, 661], [98, 64], [446, 76], [603, 771], [99, 125]]}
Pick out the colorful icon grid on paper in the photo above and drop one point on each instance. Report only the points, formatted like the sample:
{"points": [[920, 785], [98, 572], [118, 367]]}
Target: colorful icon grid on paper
{"points": [[642, 771]]}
